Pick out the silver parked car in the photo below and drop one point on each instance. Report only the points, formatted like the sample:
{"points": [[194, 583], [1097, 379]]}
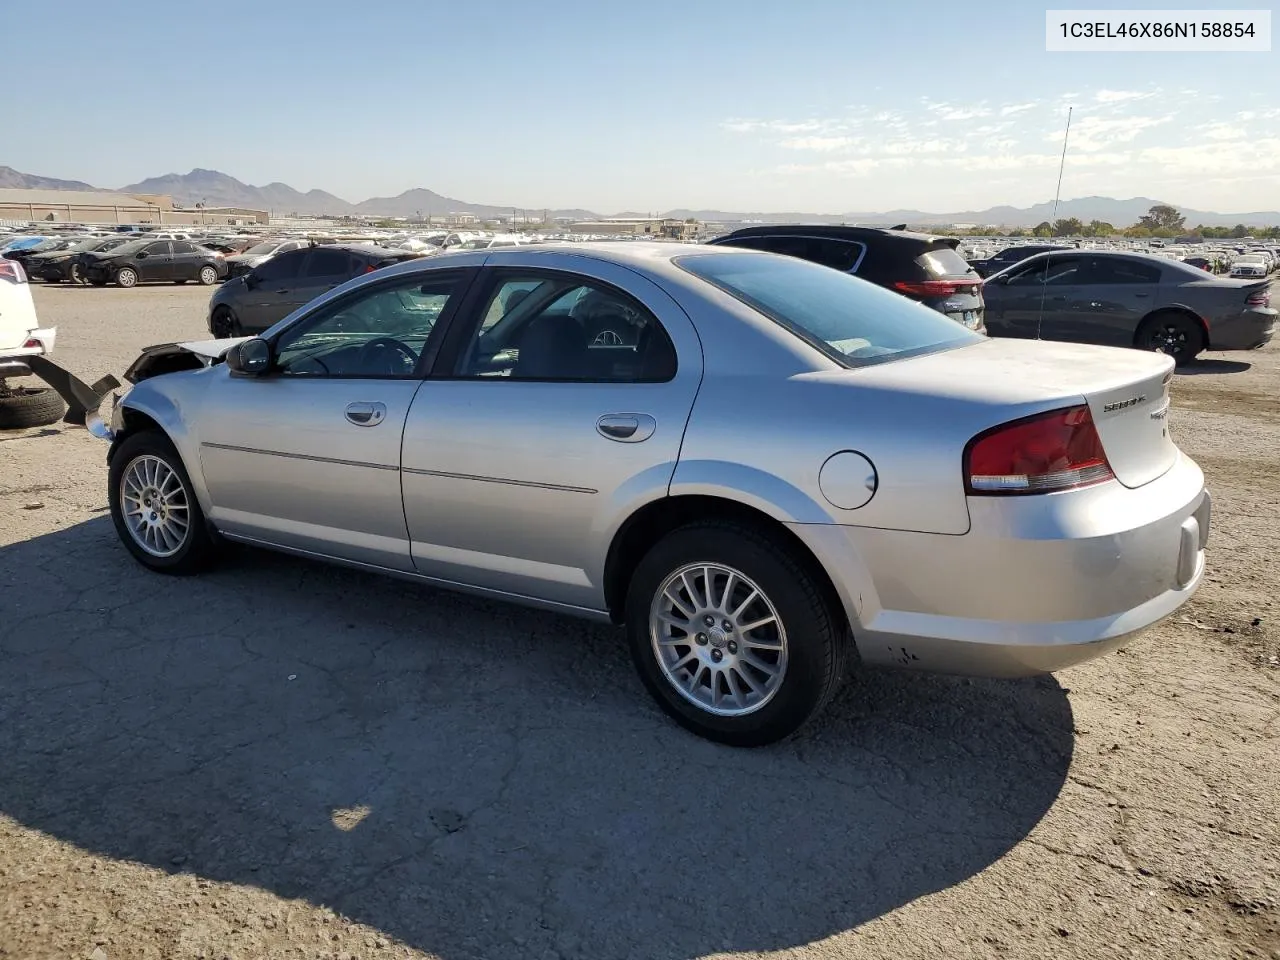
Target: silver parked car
{"points": [[764, 468]]}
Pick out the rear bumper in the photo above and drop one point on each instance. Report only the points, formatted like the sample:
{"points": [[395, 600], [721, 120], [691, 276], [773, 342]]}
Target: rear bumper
{"points": [[1038, 584], [1247, 330], [13, 363]]}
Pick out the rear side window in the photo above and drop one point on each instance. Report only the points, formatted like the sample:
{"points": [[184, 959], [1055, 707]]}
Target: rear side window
{"points": [[842, 255], [181, 246], [852, 321], [282, 267], [944, 262], [1116, 270], [327, 263]]}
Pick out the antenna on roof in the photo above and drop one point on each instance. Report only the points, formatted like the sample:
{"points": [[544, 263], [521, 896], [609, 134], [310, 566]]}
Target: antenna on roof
{"points": [[1053, 217]]}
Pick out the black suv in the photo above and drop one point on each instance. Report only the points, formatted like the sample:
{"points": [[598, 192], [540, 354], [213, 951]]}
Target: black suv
{"points": [[917, 265], [275, 288], [1011, 255]]}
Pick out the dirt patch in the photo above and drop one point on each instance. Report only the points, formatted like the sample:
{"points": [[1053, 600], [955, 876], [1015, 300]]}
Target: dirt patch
{"points": [[1225, 400]]}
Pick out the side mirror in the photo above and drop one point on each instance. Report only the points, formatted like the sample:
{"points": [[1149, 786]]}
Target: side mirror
{"points": [[250, 358], [251, 280], [143, 255]]}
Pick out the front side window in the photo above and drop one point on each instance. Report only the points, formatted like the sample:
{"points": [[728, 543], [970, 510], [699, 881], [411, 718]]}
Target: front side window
{"points": [[283, 267], [854, 322], [561, 328], [377, 332]]}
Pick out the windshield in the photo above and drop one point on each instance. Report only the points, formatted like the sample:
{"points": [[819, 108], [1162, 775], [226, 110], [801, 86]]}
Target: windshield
{"points": [[131, 247], [262, 249], [853, 322]]}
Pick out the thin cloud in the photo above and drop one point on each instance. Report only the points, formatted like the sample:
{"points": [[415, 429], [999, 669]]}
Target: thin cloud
{"points": [[818, 143], [1008, 110], [1121, 96]]}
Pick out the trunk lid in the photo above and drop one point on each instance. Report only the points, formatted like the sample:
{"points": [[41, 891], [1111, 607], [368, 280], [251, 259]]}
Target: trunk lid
{"points": [[1127, 392]]}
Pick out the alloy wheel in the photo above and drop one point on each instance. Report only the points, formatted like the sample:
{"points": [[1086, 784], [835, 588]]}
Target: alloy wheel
{"points": [[718, 639], [155, 507]]}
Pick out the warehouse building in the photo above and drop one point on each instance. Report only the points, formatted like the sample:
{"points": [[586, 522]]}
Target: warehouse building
{"points": [[114, 207]]}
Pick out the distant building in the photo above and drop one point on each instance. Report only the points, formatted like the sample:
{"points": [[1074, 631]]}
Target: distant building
{"points": [[113, 207], [655, 228]]}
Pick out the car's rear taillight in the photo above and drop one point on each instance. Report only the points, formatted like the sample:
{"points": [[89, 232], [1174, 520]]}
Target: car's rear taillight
{"points": [[11, 270], [31, 344], [1259, 298], [936, 288], [1059, 450]]}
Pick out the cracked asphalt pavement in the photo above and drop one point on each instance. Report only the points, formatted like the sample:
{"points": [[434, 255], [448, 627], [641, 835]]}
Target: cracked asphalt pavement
{"points": [[283, 759]]}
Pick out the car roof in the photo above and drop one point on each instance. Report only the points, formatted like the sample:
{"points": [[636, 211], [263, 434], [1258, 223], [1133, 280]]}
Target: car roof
{"points": [[835, 231]]}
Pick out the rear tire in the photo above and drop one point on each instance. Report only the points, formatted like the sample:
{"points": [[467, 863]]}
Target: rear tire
{"points": [[1175, 334], [126, 277], [208, 276], [25, 407], [783, 673], [151, 496]]}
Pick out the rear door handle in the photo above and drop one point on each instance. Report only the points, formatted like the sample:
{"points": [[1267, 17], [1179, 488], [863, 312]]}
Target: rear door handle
{"points": [[366, 414], [626, 427]]}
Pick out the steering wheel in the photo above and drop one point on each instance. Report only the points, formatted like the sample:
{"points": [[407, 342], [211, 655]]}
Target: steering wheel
{"points": [[374, 353]]}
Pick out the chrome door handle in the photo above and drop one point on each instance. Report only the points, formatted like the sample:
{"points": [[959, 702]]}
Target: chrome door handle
{"points": [[626, 427], [366, 414]]}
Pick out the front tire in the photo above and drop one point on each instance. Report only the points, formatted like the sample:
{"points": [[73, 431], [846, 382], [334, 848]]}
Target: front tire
{"points": [[127, 277], [1174, 334], [224, 324], [733, 634], [154, 507]]}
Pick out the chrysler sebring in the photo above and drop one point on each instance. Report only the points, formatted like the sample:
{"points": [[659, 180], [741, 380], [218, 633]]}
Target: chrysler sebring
{"points": [[767, 470]]}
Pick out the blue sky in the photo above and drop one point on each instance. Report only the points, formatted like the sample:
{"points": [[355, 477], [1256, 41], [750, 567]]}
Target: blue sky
{"points": [[803, 105]]}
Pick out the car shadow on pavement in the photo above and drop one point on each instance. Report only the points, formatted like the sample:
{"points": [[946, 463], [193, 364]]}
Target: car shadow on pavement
{"points": [[475, 779], [1204, 365]]}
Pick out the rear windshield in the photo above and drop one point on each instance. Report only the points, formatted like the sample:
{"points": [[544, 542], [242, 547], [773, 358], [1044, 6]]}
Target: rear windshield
{"points": [[944, 262], [852, 321]]}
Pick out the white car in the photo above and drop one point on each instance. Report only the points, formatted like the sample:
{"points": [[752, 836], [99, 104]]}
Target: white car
{"points": [[21, 337], [1250, 266]]}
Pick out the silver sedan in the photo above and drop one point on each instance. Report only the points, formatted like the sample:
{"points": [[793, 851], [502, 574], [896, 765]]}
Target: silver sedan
{"points": [[767, 470]]}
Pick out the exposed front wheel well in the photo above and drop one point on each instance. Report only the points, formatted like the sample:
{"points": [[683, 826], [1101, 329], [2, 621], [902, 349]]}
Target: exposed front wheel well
{"points": [[135, 421], [644, 528]]}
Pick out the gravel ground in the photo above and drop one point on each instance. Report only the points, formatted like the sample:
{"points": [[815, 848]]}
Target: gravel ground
{"points": [[282, 759]]}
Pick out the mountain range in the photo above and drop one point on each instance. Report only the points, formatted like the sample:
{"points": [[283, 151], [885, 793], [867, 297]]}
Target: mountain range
{"points": [[216, 189]]}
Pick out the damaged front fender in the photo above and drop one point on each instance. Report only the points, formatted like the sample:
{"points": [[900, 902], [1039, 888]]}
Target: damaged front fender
{"points": [[83, 401]]}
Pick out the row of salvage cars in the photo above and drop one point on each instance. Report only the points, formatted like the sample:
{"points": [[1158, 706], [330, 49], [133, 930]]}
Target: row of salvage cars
{"points": [[766, 470]]}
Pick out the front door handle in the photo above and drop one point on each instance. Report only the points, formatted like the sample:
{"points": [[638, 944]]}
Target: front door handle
{"points": [[626, 427], [366, 414]]}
